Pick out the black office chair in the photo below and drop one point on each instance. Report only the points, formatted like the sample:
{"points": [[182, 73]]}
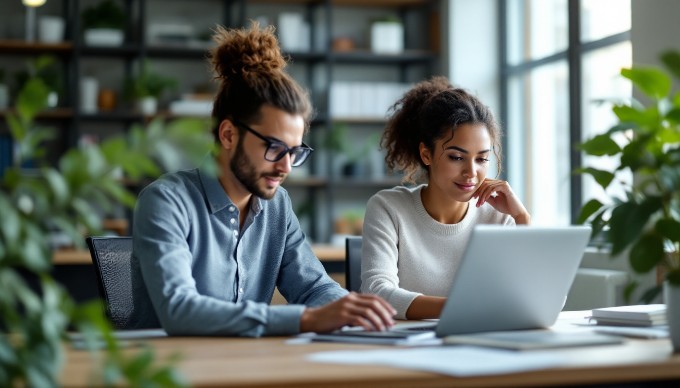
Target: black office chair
{"points": [[353, 263], [112, 258]]}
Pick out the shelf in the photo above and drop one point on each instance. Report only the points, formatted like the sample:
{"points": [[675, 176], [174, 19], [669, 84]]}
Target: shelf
{"points": [[125, 50], [50, 114], [360, 120], [177, 52], [316, 70], [353, 3], [16, 46], [364, 182], [370, 58], [305, 182], [112, 116]]}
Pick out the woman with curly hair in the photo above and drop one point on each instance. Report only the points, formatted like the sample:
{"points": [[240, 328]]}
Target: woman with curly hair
{"points": [[212, 249], [414, 237]]}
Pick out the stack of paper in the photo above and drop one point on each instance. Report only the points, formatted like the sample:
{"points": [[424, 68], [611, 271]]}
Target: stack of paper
{"points": [[636, 315], [531, 339], [394, 336]]}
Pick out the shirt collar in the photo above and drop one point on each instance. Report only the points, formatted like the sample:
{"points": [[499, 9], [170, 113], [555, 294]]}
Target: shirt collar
{"points": [[217, 198]]}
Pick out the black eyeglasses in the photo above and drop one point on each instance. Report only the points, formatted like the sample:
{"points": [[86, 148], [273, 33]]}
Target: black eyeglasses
{"points": [[277, 149]]}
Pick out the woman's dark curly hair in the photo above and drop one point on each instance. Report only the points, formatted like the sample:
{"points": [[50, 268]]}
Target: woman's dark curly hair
{"points": [[428, 112], [250, 68]]}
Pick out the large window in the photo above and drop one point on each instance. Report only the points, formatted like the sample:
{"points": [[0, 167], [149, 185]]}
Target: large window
{"points": [[560, 73]]}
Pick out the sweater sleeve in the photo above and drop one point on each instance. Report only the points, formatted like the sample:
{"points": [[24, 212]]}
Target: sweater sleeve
{"points": [[380, 255]]}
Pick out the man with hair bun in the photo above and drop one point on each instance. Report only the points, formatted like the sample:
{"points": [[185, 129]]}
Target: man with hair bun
{"points": [[211, 250]]}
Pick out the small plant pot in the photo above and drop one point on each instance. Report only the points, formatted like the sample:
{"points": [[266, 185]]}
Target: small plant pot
{"points": [[52, 99], [103, 37], [148, 106]]}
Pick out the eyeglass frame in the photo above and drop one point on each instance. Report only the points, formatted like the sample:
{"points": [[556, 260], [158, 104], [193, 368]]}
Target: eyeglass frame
{"points": [[272, 141]]}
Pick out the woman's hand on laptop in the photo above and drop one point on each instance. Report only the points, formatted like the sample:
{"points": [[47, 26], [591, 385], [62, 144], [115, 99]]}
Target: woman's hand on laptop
{"points": [[504, 200], [365, 310]]}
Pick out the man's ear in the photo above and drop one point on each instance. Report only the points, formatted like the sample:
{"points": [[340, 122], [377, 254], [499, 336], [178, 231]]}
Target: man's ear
{"points": [[228, 134], [425, 154]]}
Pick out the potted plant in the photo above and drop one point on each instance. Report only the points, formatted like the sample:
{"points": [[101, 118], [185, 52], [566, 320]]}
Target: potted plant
{"points": [[103, 24], [145, 88], [646, 222], [351, 155], [387, 36], [47, 69], [64, 197]]}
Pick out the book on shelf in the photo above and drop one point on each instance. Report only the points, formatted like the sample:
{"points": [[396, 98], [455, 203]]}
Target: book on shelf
{"points": [[634, 315]]}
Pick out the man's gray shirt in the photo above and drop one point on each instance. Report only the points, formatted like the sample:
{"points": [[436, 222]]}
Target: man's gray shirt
{"points": [[204, 276]]}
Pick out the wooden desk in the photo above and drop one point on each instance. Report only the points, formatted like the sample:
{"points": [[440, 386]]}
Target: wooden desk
{"points": [[270, 362], [325, 253]]}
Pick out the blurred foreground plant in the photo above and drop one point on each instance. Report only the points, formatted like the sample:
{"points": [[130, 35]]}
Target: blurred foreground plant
{"points": [[647, 218], [69, 197]]}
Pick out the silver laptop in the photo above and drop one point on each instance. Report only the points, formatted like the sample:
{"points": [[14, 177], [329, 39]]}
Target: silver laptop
{"points": [[513, 278]]}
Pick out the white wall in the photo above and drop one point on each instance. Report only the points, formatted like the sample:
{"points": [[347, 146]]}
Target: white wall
{"points": [[654, 29], [473, 48]]}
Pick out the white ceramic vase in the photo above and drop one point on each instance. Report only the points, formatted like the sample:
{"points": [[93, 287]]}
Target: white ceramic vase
{"points": [[147, 106], [671, 295]]}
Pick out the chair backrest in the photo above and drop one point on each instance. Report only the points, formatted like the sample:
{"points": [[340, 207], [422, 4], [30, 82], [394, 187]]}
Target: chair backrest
{"points": [[353, 263], [112, 261]]}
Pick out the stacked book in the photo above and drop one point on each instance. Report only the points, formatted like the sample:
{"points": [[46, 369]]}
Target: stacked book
{"points": [[636, 315]]}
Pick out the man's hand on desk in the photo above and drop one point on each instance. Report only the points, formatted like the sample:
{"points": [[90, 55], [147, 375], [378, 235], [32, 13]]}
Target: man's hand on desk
{"points": [[368, 311]]}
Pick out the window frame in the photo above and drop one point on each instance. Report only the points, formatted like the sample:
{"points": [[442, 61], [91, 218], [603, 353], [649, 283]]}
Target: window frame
{"points": [[574, 54]]}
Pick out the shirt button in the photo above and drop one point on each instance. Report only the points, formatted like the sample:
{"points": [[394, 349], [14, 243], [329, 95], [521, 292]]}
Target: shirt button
{"points": [[240, 290], [231, 208], [233, 221], [236, 233]]}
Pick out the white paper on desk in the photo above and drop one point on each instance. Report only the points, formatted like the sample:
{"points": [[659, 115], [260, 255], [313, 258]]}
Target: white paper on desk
{"points": [[455, 361]]}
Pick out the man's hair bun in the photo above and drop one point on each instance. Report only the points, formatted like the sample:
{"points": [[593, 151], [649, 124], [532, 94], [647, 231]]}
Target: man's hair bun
{"points": [[246, 53]]}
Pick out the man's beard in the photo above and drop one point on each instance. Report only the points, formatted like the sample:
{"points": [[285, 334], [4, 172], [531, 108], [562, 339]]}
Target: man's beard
{"points": [[246, 173]]}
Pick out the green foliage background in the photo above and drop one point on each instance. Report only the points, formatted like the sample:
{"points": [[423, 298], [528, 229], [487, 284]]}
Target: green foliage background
{"points": [[647, 220], [68, 197]]}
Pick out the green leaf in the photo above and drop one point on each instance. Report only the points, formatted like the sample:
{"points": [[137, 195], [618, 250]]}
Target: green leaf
{"points": [[634, 155], [32, 99], [86, 213], [672, 61], [587, 210], [673, 115], [650, 295], [139, 364], [669, 178], [647, 253], [622, 127], [652, 82], [600, 145], [627, 221], [628, 291], [644, 118], [667, 136], [674, 277], [603, 178], [57, 185], [9, 227], [669, 228]]}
